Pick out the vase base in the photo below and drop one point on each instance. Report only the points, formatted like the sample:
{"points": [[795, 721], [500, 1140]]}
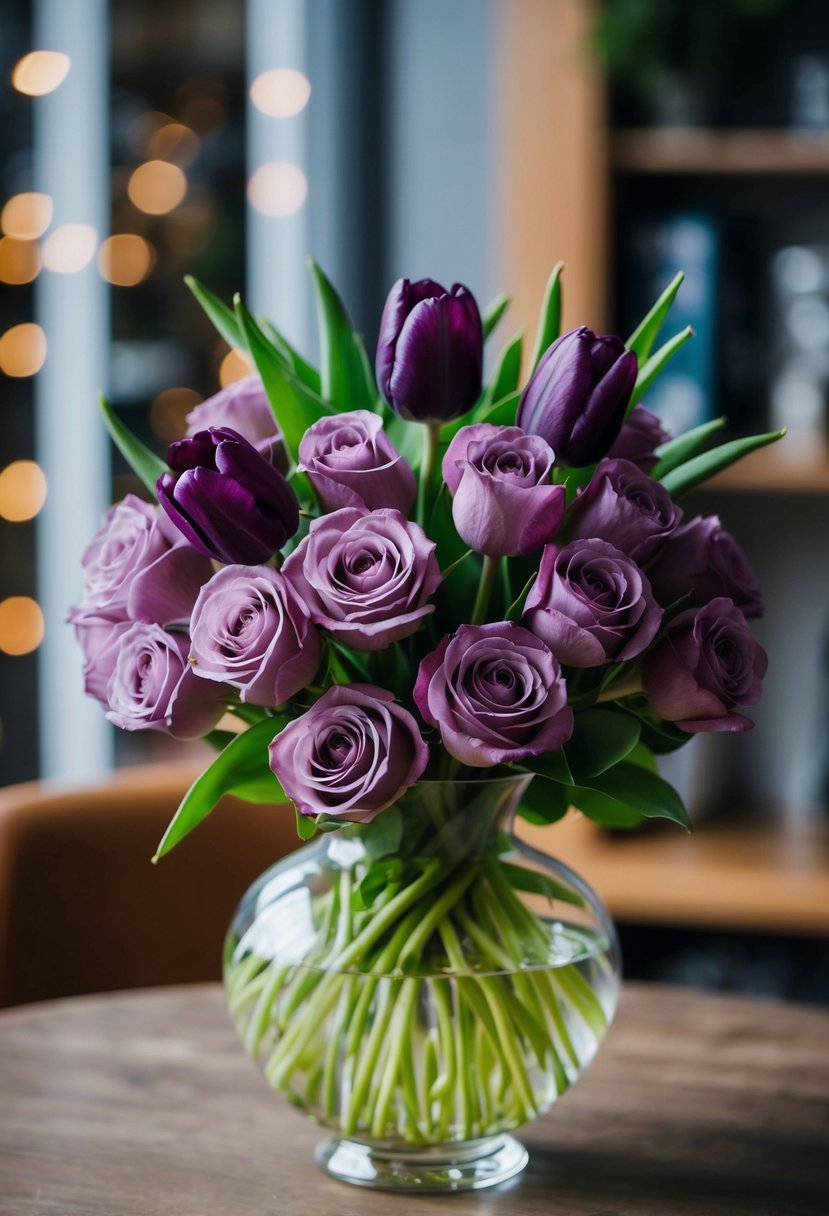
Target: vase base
{"points": [[461, 1167]]}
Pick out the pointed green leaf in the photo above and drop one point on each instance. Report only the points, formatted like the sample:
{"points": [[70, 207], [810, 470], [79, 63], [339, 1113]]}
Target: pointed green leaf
{"points": [[600, 739], [521, 878], [634, 786], [306, 828], [549, 322], [223, 318], [290, 355], [676, 451], [345, 375], [500, 413], [680, 480], [650, 370], [552, 765], [507, 373], [643, 337], [381, 837], [144, 463], [607, 812], [493, 313]]}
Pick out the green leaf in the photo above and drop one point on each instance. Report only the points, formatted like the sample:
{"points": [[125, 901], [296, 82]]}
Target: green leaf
{"points": [[643, 337], [377, 880], [544, 802], [607, 812], [345, 375], [676, 451], [309, 375], [144, 463], [381, 837], [650, 370], [242, 765], [680, 480], [493, 313], [516, 608], [549, 322], [552, 765], [600, 739], [634, 786], [306, 828], [507, 372], [500, 413], [537, 883], [222, 317]]}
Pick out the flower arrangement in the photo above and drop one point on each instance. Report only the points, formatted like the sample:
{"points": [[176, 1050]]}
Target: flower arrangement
{"points": [[370, 593]]}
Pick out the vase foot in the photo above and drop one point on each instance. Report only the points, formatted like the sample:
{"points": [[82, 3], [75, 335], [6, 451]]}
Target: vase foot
{"points": [[461, 1167]]}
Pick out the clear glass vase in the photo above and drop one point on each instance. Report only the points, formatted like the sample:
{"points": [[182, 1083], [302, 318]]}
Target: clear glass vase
{"points": [[423, 985]]}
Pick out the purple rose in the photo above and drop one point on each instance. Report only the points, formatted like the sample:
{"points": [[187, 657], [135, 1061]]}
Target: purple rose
{"points": [[430, 351], [227, 499], [251, 630], [97, 635], [351, 463], [243, 406], [504, 504], [366, 576], [591, 604], [627, 508], [351, 755], [640, 436], [577, 396], [707, 664], [151, 686], [496, 693], [703, 559]]}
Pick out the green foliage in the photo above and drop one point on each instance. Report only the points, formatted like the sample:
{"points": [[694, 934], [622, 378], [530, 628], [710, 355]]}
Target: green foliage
{"points": [[600, 739], [643, 337], [493, 313], [676, 451], [506, 375], [346, 377], [223, 318], [652, 367], [682, 479], [144, 463], [537, 883], [549, 322]]}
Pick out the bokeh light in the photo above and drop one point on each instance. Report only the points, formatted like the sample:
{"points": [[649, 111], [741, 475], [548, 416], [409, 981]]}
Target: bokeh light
{"points": [[19, 260], [69, 248], [234, 366], [125, 259], [21, 625], [277, 188], [26, 216], [169, 410], [156, 187], [22, 490], [280, 92], [40, 72], [173, 141], [22, 350]]}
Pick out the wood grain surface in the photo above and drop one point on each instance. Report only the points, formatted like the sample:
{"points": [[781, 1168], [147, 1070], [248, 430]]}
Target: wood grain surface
{"points": [[142, 1104]]}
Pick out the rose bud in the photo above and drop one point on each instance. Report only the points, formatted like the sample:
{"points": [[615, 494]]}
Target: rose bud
{"points": [[591, 604], [351, 755], [640, 436], [627, 508], [243, 406], [577, 396], [496, 694], [366, 576], [153, 688], [351, 462], [706, 665], [250, 630], [230, 503], [504, 504], [700, 557], [430, 351]]}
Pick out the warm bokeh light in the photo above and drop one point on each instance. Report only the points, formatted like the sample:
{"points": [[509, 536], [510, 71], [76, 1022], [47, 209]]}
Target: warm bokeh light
{"points": [[277, 188], [21, 625], [26, 216], [191, 228], [280, 92], [40, 72], [156, 187], [125, 259], [22, 491], [19, 260], [234, 366], [69, 248], [168, 412], [175, 142], [22, 350]]}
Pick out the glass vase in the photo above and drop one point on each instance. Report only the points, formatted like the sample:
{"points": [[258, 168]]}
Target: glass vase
{"points": [[423, 985]]}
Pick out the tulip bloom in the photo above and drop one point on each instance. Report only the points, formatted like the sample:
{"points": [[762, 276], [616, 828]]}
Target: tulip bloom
{"points": [[430, 351], [577, 396]]}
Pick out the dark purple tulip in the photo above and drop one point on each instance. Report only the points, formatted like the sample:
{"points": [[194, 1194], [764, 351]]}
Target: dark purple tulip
{"points": [[226, 498], [577, 396], [430, 351]]}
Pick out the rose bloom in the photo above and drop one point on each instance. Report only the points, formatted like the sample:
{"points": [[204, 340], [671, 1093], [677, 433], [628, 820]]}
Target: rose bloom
{"points": [[706, 666], [591, 604], [702, 559], [245, 408], [503, 502], [641, 434], [627, 508], [351, 462], [351, 755], [366, 576], [495, 693], [251, 630]]}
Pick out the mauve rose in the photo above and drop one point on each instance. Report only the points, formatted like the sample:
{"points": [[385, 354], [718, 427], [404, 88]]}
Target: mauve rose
{"points": [[153, 688], [706, 665], [504, 504], [703, 559], [97, 634], [351, 755], [351, 463], [250, 630], [243, 406], [591, 604], [496, 694], [640, 436], [366, 576], [627, 508]]}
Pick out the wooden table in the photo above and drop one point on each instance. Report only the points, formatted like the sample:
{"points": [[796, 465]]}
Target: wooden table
{"points": [[142, 1104]]}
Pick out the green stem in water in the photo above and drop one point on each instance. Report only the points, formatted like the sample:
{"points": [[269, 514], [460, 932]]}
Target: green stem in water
{"points": [[489, 573]]}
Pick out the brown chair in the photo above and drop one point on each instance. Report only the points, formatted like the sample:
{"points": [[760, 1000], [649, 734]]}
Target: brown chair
{"points": [[82, 909]]}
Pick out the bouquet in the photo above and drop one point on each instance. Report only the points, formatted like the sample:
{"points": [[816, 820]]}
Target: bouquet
{"points": [[370, 591]]}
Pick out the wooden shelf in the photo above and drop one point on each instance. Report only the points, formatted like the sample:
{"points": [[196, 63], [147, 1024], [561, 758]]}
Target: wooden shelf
{"points": [[780, 469], [692, 150], [733, 876]]}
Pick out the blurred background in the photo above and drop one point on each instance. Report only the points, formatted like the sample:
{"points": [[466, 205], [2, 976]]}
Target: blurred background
{"points": [[471, 140]]}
